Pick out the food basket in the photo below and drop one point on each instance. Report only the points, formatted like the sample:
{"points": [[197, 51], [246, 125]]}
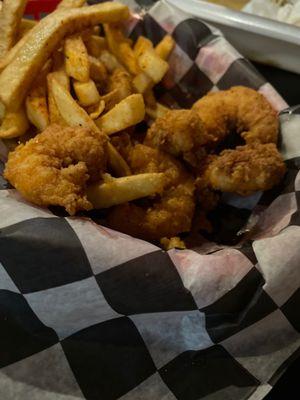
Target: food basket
{"points": [[87, 312]]}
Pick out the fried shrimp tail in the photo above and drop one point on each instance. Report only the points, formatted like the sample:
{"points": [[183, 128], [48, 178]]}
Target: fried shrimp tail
{"points": [[238, 109], [54, 167], [167, 215]]}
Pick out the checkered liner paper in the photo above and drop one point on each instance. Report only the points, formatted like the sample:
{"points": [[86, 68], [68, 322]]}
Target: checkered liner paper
{"points": [[86, 312]]}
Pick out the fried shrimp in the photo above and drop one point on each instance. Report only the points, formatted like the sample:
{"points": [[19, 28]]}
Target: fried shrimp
{"points": [[238, 109], [180, 133], [246, 170], [169, 214], [54, 167]]}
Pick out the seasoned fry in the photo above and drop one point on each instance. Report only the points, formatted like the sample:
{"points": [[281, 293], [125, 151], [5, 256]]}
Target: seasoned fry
{"points": [[120, 46], [119, 87], [142, 82], [95, 45], [70, 4], [117, 162], [17, 77], [11, 54], [98, 71], [118, 191], [109, 60], [165, 47], [10, 18], [153, 65], [158, 111], [86, 93], [128, 112], [36, 101], [127, 58], [63, 79], [74, 115], [36, 106], [113, 38], [14, 124], [25, 26], [76, 58], [98, 110], [2, 111], [141, 45], [71, 112]]}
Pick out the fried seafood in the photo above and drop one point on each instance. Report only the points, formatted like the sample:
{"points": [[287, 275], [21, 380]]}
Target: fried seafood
{"points": [[168, 215], [238, 109], [180, 133], [246, 170], [54, 167]]}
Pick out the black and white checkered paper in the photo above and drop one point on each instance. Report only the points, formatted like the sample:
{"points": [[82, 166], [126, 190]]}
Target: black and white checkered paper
{"points": [[87, 312]]}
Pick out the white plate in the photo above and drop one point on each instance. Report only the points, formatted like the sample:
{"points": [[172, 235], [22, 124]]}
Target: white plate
{"points": [[259, 39]]}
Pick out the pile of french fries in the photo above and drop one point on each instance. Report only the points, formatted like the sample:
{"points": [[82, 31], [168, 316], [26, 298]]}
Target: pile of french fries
{"points": [[56, 71]]}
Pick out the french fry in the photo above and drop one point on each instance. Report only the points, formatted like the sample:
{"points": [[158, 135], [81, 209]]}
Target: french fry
{"points": [[70, 4], [153, 65], [36, 101], [111, 99], [128, 112], [76, 58], [117, 162], [109, 60], [25, 26], [63, 79], [10, 18], [120, 46], [115, 191], [18, 76], [2, 111], [74, 115], [127, 58], [98, 110], [164, 47], [157, 111], [14, 124], [98, 71], [87, 93], [141, 45], [142, 82], [95, 44], [11, 54], [113, 38]]}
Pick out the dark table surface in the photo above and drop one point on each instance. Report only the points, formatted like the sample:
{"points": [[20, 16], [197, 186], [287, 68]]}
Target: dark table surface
{"points": [[288, 85]]}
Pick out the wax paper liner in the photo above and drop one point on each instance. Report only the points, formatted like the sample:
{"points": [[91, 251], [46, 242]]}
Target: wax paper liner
{"points": [[87, 312]]}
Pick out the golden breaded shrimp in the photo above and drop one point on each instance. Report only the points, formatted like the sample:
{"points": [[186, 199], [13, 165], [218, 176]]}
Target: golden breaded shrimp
{"points": [[54, 167], [168, 215], [246, 170], [238, 109], [180, 133]]}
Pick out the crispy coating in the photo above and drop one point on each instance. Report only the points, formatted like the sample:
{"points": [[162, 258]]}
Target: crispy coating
{"points": [[54, 167], [180, 133], [246, 169], [168, 215], [238, 109]]}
